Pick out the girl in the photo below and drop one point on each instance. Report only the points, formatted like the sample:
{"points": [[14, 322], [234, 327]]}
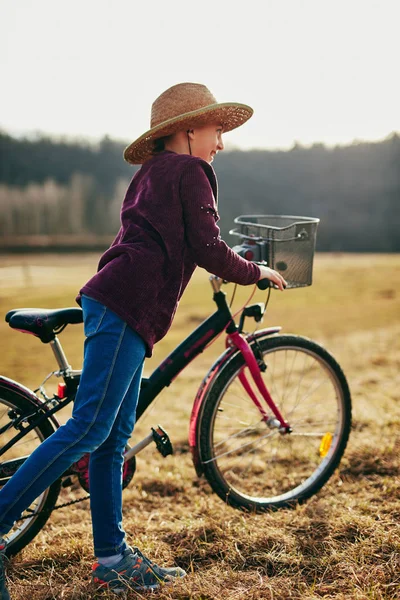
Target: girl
{"points": [[168, 227]]}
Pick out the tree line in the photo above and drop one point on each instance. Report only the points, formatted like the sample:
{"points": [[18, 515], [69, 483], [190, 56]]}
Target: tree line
{"points": [[73, 188]]}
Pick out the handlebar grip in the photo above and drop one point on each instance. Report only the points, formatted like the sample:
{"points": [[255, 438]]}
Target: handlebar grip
{"points": [[264, 284]]}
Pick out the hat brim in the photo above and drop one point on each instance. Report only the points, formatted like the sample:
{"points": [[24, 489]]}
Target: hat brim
{"points": [[230, 115]]}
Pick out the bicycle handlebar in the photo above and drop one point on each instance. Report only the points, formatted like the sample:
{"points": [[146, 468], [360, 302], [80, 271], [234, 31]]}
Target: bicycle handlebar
{"points": [[262, 284]]}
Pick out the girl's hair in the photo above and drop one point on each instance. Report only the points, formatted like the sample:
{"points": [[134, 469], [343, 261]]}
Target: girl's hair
{"points": [[159, 145]]}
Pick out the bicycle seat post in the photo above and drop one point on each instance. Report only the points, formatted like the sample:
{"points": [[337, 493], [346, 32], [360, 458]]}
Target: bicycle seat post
{"points": [[60, 355]]}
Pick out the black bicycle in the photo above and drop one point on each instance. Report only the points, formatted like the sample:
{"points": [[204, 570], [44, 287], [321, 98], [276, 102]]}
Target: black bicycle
{"points": [[270, 420]]}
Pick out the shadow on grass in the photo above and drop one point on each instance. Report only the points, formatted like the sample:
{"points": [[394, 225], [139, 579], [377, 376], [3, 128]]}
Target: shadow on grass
{"points": [[162, 488], [365, 461]]}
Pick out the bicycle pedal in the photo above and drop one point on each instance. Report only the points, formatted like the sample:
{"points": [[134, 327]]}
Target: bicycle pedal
{"points": [[162, 441]]}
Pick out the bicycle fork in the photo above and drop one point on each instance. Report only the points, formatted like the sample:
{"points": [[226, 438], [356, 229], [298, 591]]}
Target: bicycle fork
{"points": [[237, 340]]}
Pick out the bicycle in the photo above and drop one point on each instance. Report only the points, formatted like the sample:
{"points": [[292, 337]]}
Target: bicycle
{"points": [[270, 421]]}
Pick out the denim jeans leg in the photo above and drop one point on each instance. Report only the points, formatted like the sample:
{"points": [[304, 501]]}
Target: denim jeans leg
{"points": [[107, 375], [105, 475]]}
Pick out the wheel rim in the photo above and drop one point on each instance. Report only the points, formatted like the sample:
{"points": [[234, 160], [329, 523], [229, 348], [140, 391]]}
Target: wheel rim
{"points": [[254, 459], [22, 448]]}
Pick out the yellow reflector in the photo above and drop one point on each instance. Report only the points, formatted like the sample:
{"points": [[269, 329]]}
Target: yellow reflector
{"points": [[325, 444]]}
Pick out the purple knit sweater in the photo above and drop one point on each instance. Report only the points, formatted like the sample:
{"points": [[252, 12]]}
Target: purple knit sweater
{"points": [[168, 227]]}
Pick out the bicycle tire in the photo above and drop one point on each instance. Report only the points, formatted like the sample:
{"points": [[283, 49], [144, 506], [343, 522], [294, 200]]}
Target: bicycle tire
{"points": [[26, 528], [254, 467]]}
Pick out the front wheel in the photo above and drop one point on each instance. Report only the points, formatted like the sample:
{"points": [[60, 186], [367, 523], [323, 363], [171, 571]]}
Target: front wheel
{"points": [[248, 462]]}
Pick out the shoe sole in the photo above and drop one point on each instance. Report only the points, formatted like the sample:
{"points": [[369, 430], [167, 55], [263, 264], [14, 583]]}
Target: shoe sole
{"points": [[125, 589], [129, 588]]}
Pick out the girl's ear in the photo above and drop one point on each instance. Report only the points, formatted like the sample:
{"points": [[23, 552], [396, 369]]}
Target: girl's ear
{"points": [[190, 133]]}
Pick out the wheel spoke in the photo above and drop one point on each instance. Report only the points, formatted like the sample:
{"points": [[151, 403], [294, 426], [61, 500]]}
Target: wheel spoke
{"points": [[235, 435], [238, 448]]}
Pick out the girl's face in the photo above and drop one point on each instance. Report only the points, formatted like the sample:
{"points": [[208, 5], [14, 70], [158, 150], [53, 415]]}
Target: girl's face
{"points": [[206, 141]]}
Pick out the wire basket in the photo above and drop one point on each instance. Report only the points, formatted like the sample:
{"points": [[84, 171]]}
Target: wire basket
{"points": [[286, 243]]}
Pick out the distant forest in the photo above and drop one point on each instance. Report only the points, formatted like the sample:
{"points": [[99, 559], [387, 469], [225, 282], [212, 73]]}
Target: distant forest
{"points": [[73, 190]]}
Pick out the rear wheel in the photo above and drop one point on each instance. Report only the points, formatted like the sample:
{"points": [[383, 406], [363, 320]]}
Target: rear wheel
{"points": [[248, 462], [12, 406]]}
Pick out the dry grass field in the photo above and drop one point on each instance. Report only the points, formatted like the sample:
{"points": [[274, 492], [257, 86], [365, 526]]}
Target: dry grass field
{"points": [[344, 543]]}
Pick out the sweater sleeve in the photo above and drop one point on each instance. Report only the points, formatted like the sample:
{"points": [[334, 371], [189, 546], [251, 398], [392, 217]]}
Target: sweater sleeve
{"points": [[202, 233]]}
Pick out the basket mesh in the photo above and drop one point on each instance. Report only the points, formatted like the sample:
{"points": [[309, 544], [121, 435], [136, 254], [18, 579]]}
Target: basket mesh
{"points": [[287, 243]]}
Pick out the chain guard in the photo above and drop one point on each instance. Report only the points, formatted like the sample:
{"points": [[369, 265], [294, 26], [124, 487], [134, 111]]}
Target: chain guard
{"points": [[81, 469]]}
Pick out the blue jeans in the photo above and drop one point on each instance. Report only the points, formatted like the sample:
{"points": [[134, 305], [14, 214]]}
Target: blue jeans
{"points": [[102, 421]]}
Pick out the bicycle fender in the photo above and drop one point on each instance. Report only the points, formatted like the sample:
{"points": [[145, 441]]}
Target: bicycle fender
{"points": [[26, 393], [203, 391]]}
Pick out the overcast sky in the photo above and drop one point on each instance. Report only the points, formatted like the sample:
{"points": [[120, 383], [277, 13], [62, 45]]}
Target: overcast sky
{"points": [[313, 70]]}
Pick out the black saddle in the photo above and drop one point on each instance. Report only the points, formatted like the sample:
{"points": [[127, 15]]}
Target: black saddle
{"points": [[42, 322]]}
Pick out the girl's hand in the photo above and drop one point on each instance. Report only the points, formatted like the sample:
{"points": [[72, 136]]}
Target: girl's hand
{"points": [[274, 276]]}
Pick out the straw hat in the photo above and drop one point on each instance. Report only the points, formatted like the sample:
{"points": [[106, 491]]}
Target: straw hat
{"points": [[185, 105]]}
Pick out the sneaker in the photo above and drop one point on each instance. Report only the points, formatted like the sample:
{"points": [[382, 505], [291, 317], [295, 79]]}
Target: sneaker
{"points": [[134, 571], [4, 595]]}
